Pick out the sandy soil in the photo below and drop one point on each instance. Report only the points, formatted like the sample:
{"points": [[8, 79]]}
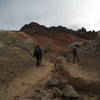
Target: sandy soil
{"points": [[90, 60], [26, 81]]}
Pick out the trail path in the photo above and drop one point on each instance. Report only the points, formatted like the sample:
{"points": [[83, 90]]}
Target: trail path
{"points": [[29, 79]]}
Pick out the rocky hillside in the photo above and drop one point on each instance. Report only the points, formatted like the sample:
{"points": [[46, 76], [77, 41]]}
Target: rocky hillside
{"points": [[59, 37], [20, 79], [64, 81], [35, 28]]}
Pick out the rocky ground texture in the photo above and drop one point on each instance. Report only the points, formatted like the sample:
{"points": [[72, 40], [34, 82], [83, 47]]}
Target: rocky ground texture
{"points": [[57, 78]]}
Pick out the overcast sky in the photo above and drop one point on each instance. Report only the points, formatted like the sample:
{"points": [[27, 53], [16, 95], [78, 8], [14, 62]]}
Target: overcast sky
{"points": [[69, 13]]}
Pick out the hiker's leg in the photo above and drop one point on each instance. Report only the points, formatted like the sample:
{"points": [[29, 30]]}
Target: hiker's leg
{"points": [[77, 58], [40, 60], [37, 61]]}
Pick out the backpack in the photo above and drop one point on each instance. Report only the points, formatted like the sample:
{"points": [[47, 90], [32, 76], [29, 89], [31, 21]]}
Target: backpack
{"points": [[37, 52]]}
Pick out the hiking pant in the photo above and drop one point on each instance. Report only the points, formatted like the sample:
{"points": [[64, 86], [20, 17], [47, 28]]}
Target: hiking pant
{"points": [[75, 57], [38, 61]]}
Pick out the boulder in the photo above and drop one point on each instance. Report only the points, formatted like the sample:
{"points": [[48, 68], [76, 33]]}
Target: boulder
{"points": [[69, 92]]}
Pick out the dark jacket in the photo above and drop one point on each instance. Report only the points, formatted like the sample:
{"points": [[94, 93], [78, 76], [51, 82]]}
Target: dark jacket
{"points": [[74, 51], [37, 52]]}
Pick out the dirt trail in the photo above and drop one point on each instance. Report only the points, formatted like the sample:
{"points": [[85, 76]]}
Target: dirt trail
{"points": [[29, 79]]}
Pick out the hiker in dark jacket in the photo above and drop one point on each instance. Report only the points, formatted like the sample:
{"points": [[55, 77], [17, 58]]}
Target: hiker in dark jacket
{"points": [[75, 55], [38, 55]]}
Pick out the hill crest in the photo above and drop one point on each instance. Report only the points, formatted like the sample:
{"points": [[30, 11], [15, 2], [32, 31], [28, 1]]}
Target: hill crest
{"points": [[35, 28]]}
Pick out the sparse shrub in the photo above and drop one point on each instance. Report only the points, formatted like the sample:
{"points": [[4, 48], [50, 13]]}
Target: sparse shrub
{"points": [[46, 50], [67, 56], [14, 41]]}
